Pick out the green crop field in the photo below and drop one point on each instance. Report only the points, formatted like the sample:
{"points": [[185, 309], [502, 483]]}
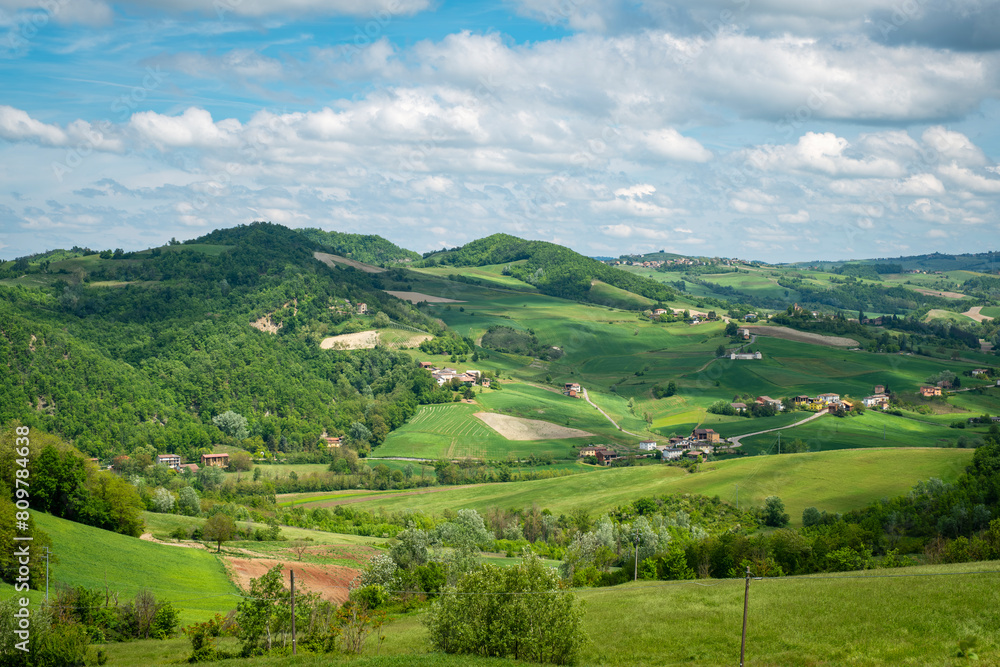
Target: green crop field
{"points": [[615, 296], [872, 429], [452, 431], [909, 616], [194, 581], [801, 480], [991, 311]]}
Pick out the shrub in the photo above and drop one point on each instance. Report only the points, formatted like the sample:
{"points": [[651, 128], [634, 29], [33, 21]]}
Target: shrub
{"points": [[519, 612]]}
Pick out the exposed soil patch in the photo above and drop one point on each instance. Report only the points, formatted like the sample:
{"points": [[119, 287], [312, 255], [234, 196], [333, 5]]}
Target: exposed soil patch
{"points": [[330, 581], [332, 260], [802, 336], [417, 297], [976, 313], [148, 537], [266, 325], [517, 428], [934, 292], [363, 340]]}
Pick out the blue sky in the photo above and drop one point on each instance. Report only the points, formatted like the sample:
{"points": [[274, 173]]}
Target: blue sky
{"points": [[773, 129]]}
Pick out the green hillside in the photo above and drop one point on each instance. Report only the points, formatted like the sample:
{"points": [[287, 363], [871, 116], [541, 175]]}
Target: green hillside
{"points": [[367, 248], [801, 480], [192, 580]]}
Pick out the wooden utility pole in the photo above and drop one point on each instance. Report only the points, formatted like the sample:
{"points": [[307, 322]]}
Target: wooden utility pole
{"points": [[746, 603], [635, 576], [293, 610]]}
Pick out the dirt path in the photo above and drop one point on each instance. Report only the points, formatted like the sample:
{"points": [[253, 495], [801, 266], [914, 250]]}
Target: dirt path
{"points": [[736, 440], [587, 398], [148, 537]]}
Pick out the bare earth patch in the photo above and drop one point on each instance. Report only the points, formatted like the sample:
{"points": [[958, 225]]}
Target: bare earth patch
{"points": [[148, 537], [363, 340], [934, 292], [976, 313], [517, 428], [417, 297], [802, 336], [331, 260], [330, 581], [266, 325]]}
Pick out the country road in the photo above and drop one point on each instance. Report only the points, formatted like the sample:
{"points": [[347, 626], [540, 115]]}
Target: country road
{"points": [[736, 440], [587, 398]]}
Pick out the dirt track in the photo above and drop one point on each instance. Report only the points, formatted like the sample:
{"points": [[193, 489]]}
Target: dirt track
{"points": [[331, 260]]}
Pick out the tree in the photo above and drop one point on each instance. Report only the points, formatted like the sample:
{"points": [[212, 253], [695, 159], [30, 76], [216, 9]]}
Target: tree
{"points": [[188, 502], [720, 351], [773, 514], [240, 461], [731, 328], [163, 501], [219, 528], [232, 423], [486, 616], [382, 320]]}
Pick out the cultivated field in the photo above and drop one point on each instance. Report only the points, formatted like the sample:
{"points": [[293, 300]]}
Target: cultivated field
{"points": [[333, 260], [801, 480], [516, 428], [801, 336]]}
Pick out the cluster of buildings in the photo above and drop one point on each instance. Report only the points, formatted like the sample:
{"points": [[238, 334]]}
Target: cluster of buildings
{"points": [[822, 402], [572, 389], [207, 461], [443, 375], [701, 441]]}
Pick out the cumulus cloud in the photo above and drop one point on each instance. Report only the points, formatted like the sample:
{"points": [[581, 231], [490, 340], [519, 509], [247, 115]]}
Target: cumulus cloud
{"points": [[798, 218], [823, 152]]}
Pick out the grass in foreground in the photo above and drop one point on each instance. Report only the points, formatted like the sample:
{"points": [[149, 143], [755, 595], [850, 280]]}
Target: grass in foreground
{"points": [[913, 616]]}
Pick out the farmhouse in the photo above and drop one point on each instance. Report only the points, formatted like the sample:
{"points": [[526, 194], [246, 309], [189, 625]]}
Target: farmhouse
{"points": [[572, 389], [169, 460], [190, 467], [979, 371], [767, 400], [879, 389], [745, 333], [828, 398], [671, 453], [591, 450], [745, 355], [331, 441], [362, 309], [606, 456], [647, 445], [739, 407], [426, 364], [215, 460], [705, 435], [930, 391], [660, 311], [876, 400]]}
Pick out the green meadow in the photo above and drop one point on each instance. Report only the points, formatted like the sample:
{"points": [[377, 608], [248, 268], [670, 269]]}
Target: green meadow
{"points": [[872, 429], [801, 480], [194, 581], [910, 616]]}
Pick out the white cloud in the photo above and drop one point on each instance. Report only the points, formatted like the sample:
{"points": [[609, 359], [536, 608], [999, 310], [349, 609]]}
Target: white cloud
{"points": [[630, 231], [17, 125], [947, 146], [671, 144], [802, 216], [635, 191], [824, 153], [193, 128], [969, 180]]}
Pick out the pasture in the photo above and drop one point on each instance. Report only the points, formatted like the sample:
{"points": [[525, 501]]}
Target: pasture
{"points": [[801, 480], [194, 581], [452, 431], [872, 429]]}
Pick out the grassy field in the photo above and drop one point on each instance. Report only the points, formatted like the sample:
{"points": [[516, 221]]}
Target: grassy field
{"points": [[194, 581], [915, 616], [801, 480], [452, 431], [872, 429]]}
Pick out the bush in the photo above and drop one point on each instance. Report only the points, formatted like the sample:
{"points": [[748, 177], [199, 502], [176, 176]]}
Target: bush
{"points": [[484, 615]]}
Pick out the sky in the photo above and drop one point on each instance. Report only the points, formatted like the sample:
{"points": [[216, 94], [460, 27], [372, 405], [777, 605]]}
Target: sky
{"points": [[779, 130]]}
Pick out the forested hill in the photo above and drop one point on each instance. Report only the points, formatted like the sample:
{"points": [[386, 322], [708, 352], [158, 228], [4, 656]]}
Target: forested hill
{"points": [[552, 268], [367, 248], [145, 349]]}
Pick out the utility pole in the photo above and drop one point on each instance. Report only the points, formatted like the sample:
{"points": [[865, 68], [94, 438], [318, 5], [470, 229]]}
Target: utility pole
{"points": [[635, 576], [293, 607], [737, 497], [746, 602], [779, 442], [46, 574]]}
